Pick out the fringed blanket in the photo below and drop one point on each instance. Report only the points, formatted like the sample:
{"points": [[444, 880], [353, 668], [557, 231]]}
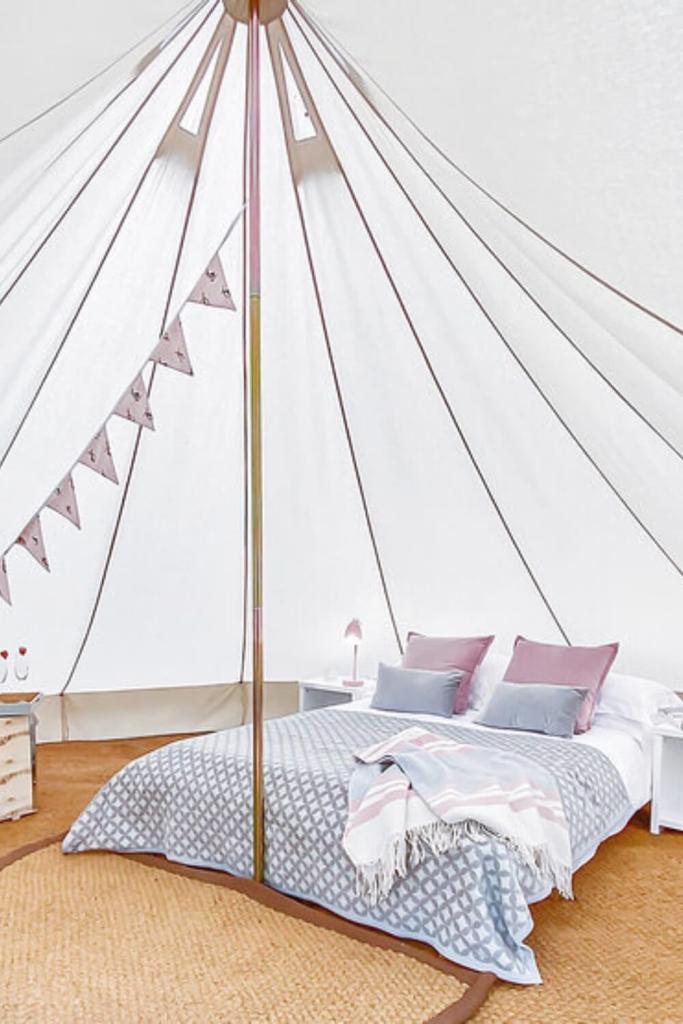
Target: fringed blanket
{"points": [[418, 792], [191, 801]]}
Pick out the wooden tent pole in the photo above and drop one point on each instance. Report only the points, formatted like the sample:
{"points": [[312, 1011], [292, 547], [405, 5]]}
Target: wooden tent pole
{"points": [[254, 224]]}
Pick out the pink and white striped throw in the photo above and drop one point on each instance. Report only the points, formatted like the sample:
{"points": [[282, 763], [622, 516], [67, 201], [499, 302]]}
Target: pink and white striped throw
{"points": [[418, 793]]}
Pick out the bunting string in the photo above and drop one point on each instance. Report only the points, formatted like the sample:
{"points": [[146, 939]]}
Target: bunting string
{"points": [[134, 405], [212, 288], [63, 500], [31, 538], [98, 457], [170, 351], [4, 582]]}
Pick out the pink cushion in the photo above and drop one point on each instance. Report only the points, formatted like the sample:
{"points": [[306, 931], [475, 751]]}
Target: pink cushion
{"points": [[441, 653], [564, 666]]}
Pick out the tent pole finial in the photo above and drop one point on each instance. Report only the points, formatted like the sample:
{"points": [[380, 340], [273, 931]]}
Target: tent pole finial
{"points": [[268, 10], [254, 228]]}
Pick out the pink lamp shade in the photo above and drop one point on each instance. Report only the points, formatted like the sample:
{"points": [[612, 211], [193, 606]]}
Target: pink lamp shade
{"points": [[354, 632]]}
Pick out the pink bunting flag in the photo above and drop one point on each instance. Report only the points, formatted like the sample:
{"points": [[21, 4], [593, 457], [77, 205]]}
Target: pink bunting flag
{"points": [[172, 350], [31, 538], [63, 500], [4, 582], [134, 404], [98, 456], [212, 288]]}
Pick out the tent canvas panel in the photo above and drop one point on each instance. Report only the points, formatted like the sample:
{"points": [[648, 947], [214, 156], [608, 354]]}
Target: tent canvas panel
{"points": [[437, 454]]}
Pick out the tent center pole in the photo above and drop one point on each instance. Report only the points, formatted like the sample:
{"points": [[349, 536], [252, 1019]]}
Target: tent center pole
{"points": [[254, 228]]}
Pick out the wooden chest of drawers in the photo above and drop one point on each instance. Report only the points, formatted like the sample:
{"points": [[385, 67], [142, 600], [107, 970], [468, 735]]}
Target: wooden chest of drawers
{"points": [[17, 737]]}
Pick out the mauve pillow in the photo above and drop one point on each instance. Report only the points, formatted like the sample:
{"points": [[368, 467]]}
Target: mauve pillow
{"points": [[441, 653], [552, 710], [585, 667], [422, 692]]}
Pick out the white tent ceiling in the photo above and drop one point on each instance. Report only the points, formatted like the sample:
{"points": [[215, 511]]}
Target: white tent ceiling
{"points": [[464, 432]]}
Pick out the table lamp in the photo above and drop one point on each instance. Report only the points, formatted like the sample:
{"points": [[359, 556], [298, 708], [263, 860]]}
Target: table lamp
{"points": [[353, 634]]}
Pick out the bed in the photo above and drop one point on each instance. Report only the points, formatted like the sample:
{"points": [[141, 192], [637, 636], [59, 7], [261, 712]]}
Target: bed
{"points": [[190, 802]]}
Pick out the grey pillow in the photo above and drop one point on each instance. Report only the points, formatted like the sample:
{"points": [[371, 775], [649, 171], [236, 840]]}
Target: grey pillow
{"points": [[418, 690], [535, 707]]}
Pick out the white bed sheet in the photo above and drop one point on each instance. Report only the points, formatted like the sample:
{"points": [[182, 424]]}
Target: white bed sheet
{"points": [[627, 744]]}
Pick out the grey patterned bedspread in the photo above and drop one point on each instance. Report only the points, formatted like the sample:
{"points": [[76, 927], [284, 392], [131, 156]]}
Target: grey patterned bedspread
{"points": [[191, 801]]}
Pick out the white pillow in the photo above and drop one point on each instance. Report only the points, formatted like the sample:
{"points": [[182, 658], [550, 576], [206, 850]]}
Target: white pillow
{"points": [[486, 677], [634, 698]]}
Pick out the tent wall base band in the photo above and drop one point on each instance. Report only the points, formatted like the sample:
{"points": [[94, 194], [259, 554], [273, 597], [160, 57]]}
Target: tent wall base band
{"points": [[122, 714]]}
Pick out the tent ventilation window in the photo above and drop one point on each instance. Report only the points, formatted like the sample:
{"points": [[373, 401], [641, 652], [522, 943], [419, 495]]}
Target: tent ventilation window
{"points": [[301, 121], [192, 118]]}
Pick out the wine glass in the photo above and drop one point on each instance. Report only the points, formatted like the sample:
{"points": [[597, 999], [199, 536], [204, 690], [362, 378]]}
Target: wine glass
{"points": [[21, 665]]}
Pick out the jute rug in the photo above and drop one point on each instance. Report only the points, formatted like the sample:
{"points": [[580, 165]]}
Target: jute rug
{"points": [[103, 939], [613, 956]]}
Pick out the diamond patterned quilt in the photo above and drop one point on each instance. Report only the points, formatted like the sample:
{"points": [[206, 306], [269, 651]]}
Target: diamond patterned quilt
{"points": [[191, 801]]}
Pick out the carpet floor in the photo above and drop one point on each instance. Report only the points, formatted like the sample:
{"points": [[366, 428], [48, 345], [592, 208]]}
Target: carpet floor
{"points": [[101, 938], [610, 957]]}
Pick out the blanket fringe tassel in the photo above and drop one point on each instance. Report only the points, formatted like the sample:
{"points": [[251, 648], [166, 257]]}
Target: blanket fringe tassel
{"points": [[374, 881]]}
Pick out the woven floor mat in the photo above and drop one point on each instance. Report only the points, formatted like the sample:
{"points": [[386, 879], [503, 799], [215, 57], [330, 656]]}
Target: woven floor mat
{"points": [[103, 939]]}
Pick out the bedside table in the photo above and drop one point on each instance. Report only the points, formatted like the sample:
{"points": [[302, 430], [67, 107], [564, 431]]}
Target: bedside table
{"points": [[667, 778], [324, 693]]}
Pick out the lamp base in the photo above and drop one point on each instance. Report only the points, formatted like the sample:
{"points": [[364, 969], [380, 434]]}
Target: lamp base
{"points": [[353, 682]]}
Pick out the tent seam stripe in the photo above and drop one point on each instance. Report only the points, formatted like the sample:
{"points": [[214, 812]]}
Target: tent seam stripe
{"points": [[88, 290], [64, 99], [79, 135], [497, 330], [110, 549], [100, 164], [332, 363], [489, 248], [214, 43], [440, 389], [648, 311]]}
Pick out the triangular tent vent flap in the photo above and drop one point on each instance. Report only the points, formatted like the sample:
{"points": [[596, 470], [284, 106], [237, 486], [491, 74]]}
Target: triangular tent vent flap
{"points": [[302, 122], [191, 120]]}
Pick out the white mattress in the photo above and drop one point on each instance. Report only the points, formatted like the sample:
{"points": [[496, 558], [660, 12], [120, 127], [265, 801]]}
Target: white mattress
{"points": [[626, 744]]}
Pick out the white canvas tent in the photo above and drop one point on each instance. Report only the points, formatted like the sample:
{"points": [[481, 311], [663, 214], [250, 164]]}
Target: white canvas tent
{"points": [[472, 381]]}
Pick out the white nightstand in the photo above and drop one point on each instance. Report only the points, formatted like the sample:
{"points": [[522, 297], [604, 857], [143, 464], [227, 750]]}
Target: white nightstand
{"points": [[667, 778], [323, 693]]}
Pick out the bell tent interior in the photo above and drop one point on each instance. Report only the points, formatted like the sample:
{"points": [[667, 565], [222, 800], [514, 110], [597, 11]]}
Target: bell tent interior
{"points": [[313, 311]]}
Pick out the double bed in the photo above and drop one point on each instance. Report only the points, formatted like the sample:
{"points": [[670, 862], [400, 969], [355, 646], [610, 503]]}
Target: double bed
{"points": [[190, 801]]}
